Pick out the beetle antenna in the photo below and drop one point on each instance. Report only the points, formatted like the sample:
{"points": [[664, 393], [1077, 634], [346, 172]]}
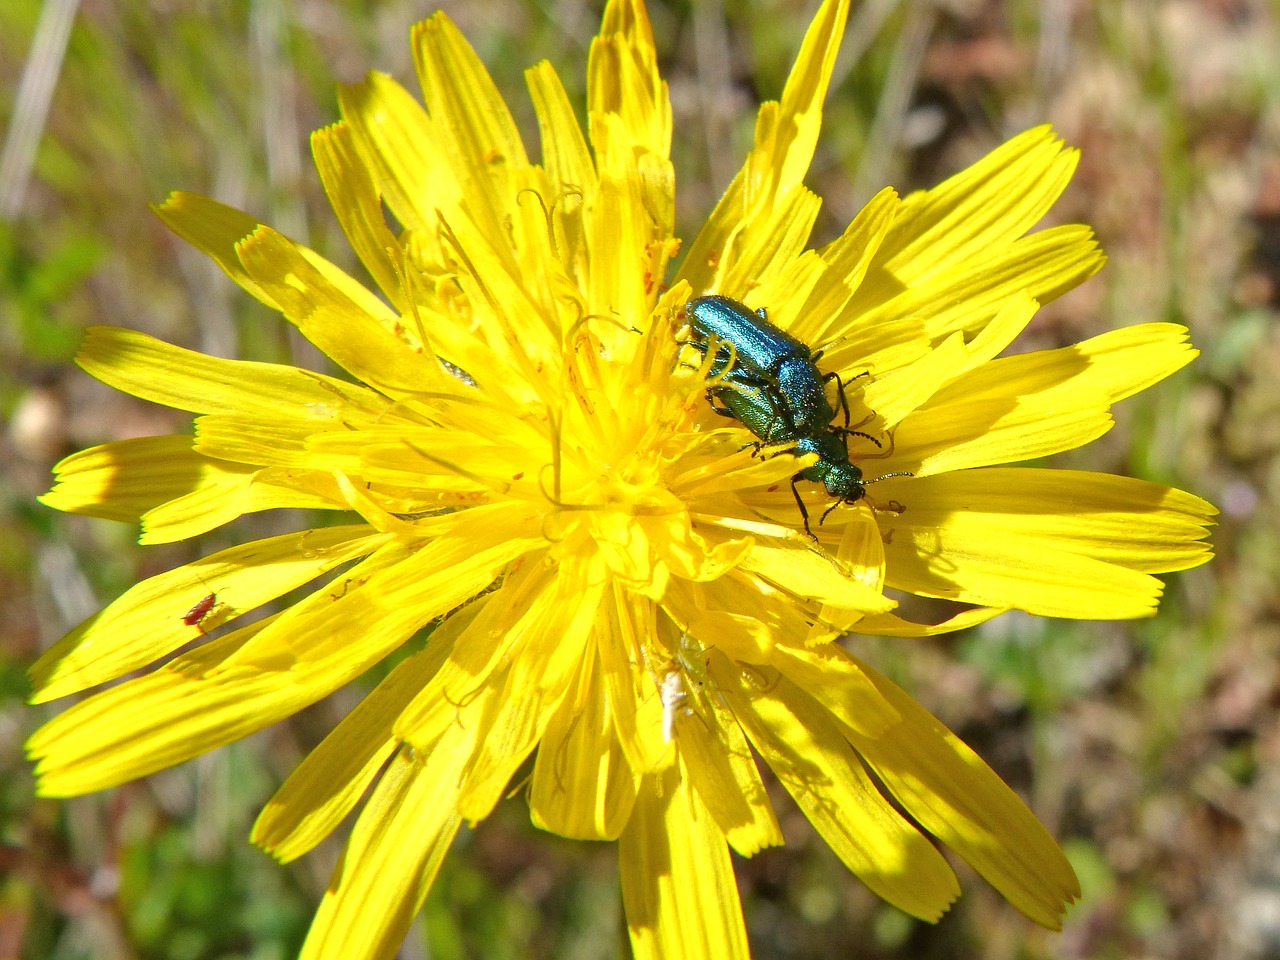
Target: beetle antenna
{"points": [[889, 476], [885, 452]]}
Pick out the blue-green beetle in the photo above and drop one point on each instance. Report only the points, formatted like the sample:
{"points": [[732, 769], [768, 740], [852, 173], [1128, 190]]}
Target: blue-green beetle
{"points": [[777, 392], [769, 357]]}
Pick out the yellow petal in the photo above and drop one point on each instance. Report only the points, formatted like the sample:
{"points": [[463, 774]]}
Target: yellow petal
{"points": [[582, 785], [353, 193], [124, 479], [810, 575], [332, 778], [147, 623], [622, 79], [223, 495], [546, 654], [477, 136], [860, 554], [803, 95], [442, 461], [786, 135], [837, 682], [265, 673], [954, 561], [215, 229], [399, 140], [804, 747], [980, 431], [622, 228], [718, 759], [677, 880], [207, 697], [278, 442], [994, 201], [365, 618], [963, 297], [897, 393], [903, 390], [152, 722], [892, 625], [688, 554], [743, 616], [847, 259], [957, 798], [1126, 361], [1112, 365], [638, 716], [764, 261], [564, 151], [186, 380], [1120, 520], [391, 860], [353, 329], [283, 489], [481, 658]]}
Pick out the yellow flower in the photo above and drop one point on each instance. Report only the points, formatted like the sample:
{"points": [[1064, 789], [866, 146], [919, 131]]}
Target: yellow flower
{"points": [[620, 587]]}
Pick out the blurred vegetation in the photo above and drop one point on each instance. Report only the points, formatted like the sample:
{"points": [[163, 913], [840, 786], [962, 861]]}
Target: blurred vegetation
{"points": [[1151, 749]]}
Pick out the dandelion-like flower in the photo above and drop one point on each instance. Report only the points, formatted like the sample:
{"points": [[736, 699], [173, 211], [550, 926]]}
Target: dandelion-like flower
{"points": [[618, 581]]}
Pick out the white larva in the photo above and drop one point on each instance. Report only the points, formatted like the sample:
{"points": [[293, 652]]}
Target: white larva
{"points": [[673, 697]]}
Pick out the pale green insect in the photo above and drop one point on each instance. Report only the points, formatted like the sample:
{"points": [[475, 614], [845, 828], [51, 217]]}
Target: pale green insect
{"points": [[691, 664]]}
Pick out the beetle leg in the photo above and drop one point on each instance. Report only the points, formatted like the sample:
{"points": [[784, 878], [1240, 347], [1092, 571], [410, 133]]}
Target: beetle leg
{"points": [[827, 512], [711, 402], [844, 401], [804, 512], [742, 379]]}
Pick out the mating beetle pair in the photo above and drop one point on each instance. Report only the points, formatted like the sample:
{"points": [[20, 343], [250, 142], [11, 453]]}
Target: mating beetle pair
{"points": [[777, 392]]}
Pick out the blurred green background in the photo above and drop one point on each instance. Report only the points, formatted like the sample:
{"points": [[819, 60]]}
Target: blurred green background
{"points": [[1152, 750]]}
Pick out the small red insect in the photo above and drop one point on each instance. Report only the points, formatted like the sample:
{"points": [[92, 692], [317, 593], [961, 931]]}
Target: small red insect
{"points": [[201, 610]]}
